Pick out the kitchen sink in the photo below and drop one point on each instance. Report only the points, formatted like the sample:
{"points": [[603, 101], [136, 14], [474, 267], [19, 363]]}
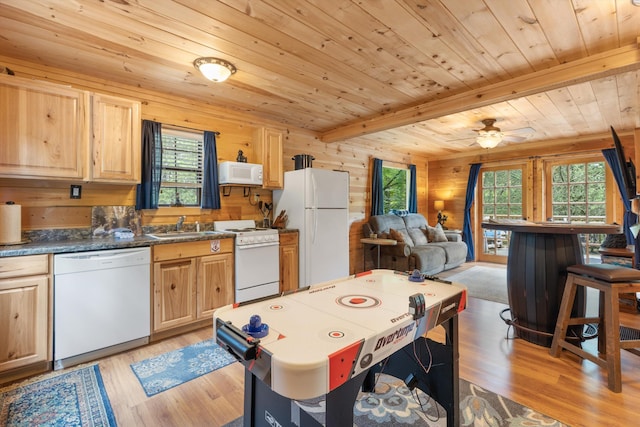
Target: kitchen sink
{"points": [[182, 234]]}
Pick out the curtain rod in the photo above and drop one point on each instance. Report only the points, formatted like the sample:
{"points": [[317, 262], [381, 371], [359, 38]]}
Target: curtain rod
{"points": [[585, 153], [389, 161], [186, 129]]}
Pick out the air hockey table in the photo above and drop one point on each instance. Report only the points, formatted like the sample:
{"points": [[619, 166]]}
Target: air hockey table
{"points": [[331, 338]]}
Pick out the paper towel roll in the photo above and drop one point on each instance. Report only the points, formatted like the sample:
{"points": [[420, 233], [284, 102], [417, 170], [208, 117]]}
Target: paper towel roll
{"points": [[10, 224]]}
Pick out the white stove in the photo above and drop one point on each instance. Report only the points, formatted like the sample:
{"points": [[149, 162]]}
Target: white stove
{"points": [[257, 259], [246, 232]]}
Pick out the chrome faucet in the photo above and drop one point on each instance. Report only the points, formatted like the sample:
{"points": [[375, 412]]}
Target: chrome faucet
{"points": [[179, 223]]}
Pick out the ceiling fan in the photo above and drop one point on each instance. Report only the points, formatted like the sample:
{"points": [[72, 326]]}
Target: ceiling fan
{"points": [[490, 136]]}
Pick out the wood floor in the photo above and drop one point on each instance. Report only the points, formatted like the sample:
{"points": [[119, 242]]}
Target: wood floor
{"points": [[567, 389]]}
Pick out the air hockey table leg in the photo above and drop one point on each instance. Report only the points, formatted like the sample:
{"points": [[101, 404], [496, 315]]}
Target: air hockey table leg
{"points": [[442, 380], [263, 406]]}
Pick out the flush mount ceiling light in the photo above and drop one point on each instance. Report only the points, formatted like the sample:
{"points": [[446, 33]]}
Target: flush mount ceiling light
{"points": [[489, 136], [214, 69]]}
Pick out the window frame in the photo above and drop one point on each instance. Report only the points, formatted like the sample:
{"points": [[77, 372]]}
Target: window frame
{"points": [[185, 133], [479, 241], [407, 186], [612, 198]]}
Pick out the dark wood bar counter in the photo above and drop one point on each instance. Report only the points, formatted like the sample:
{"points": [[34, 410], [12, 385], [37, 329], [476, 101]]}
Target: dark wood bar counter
{"points": [[539, 254]]}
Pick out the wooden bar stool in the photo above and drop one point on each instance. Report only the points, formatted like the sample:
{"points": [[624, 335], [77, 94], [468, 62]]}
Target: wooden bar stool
{"points": [[611, 281]]}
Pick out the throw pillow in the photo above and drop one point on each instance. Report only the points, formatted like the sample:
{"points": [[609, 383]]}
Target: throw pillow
{"points": [[395, 235], [439, 235], [435, 234]]}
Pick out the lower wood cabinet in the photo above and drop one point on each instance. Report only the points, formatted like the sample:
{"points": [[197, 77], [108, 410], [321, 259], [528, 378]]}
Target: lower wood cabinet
{"points": [[25, 337], [289, 276], [214, 284], [190, 280]]}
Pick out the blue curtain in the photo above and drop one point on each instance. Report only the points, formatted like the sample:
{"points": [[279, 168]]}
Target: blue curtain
{"points": [[413, 192], [148, 191], [629, 217], [377, 195], [467, 237], [210, 189]]}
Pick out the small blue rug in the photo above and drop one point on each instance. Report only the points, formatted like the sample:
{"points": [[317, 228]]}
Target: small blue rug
{"points": [[171, 369], [70, 398]]}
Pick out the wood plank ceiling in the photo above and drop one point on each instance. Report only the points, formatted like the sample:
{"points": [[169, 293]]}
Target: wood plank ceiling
{"points": [[415, 75]]}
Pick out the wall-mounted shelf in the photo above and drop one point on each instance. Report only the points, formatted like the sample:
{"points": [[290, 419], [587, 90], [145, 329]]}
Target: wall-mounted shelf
{"points": [[226, 189]]}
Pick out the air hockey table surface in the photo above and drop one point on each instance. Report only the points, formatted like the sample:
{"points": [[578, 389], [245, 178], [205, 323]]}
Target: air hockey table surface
{"points": [[321, 336]]}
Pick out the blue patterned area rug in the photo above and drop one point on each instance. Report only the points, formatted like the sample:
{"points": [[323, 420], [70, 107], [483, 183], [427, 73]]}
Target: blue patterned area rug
{"points": [[171, 369], [393, 404], [69, 398]]}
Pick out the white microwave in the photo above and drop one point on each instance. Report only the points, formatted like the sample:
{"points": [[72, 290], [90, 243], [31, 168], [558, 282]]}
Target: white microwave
{"points": [[239, 173]]}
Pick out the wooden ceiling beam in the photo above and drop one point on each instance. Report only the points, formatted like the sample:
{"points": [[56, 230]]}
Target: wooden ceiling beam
{"points": [[604, 64]]}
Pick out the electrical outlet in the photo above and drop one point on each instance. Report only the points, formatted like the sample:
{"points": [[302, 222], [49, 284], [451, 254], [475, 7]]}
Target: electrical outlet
{"points": [[75, 192], [256, 197]]}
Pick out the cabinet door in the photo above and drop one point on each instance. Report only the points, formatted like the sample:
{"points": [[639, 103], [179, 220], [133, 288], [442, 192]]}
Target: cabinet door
{"points": [[215, 283], [174, 293], [116, 146], [288, 262], [43, 129], [23, 321], [269, 146]]}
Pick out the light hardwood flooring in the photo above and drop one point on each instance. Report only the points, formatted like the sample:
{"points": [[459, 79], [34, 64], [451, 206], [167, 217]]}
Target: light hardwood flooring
{"points": [[567, 389]]}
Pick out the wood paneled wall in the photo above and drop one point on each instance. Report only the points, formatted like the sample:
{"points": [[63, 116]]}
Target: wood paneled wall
{"points": [[47, 204], [448, 176]]}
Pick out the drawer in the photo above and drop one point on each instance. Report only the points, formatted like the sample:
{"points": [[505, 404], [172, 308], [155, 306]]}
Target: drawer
{"points": [[289, 239], [29, 265], [183, 250]]}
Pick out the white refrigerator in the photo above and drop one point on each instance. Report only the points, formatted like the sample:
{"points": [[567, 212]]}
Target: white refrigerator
{"points": [[317, 204]]}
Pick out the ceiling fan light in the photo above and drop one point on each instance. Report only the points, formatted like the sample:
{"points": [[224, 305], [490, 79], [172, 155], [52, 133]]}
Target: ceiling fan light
{"points": [[489, 139], [215, 69]]}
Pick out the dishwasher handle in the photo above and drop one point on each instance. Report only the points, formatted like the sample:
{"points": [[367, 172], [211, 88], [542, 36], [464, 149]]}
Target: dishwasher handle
{"points": [[92, 256], [98, 260]]}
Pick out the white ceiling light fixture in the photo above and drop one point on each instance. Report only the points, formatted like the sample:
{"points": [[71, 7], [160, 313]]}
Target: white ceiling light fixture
{"points": [[215, 69], [489, 136]]}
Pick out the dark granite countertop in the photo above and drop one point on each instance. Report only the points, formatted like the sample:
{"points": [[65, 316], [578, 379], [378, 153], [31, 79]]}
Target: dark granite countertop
{"points": [[96, 244], [83, 245]]}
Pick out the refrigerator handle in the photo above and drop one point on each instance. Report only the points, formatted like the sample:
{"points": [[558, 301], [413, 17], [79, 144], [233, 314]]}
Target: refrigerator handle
{"points": [[314, 192], [314, 207]]}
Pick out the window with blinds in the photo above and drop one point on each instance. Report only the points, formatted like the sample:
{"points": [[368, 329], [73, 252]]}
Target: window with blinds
{"points": [[182, 165]]}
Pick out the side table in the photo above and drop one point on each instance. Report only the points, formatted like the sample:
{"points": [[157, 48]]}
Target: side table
{"points": [[375, 242]]}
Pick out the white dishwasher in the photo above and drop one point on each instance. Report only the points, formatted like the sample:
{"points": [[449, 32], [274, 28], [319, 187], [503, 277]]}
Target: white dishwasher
{"points": [[101, 303]]}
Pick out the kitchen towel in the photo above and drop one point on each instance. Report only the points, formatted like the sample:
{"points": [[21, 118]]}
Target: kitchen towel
{"points": [[10, 224]]}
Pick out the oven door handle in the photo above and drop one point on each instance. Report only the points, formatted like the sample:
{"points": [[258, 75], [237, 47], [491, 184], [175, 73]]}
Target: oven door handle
{"points": [[256, 245]]}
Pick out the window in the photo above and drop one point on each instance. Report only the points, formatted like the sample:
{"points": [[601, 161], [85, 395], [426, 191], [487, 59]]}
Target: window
{"points": [[501, 198], [395, 185], [182, 165], [502, 194], [579, 194]]}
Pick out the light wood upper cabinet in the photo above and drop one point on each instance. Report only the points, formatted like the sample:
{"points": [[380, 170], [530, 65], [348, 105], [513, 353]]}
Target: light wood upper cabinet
{"points": [[24, 311], [57, 132], [43, 129], [268, 144], [115, 143]]}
